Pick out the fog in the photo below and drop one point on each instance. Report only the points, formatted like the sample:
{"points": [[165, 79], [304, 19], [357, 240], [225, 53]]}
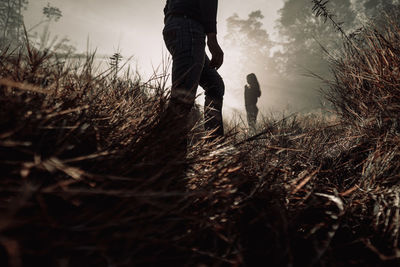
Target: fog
{"points": [[133, 28]]}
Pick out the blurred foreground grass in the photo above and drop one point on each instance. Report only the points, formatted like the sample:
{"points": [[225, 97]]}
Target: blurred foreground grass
{"points": [[86, 180]]}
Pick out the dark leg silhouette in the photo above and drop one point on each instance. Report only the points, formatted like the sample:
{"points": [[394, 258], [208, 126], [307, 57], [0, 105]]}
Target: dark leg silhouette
{"points": [[252, 112], [185, 39], [214, 88]]}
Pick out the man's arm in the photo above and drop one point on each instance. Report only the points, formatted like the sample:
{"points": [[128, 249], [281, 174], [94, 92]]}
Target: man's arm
{"points": [[215, 50], [209, 16]]}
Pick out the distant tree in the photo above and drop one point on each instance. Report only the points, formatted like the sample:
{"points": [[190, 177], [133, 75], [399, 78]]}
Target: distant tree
{"points": [[115, 62], [251, 39], [259, 54], [45, 40], [372, 6], [367, 9], [52, 13], [12, 27], [304, 42], [12, 20], [305, 34]]}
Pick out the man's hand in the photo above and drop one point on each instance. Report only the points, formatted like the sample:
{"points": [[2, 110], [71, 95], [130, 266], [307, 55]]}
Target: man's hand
{"points": [[215, 50]]}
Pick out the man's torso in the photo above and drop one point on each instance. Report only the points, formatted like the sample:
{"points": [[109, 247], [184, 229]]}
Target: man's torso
{"points": [[204, 11]]}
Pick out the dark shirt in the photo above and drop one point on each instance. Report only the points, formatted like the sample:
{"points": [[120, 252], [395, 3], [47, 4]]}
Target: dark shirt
{"points": [[204, 11]]}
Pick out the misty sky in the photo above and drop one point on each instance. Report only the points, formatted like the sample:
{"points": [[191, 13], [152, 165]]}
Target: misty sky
{"points": [[132, 26]]}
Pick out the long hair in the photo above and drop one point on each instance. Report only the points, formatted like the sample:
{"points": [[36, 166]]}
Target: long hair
{"points": [[253, 82]]}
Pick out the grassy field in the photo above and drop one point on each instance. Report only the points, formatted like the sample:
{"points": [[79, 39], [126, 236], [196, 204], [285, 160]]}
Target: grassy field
{"points": [[88, 177]]}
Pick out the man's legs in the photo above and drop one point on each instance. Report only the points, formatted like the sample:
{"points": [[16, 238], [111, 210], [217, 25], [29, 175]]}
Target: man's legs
{"points": [[185, 40], [214, 88]]}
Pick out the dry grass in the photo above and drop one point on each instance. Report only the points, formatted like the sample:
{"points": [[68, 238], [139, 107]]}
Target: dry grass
{"points": [[89, 176]]}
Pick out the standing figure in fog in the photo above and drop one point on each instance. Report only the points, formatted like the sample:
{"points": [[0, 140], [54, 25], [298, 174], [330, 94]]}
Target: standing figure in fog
{"points": [[251, 94], [190, 26]]}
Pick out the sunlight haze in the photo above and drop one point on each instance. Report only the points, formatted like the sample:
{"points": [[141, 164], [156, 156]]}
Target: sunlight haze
{"points": [[131, 26], [134, 28]]}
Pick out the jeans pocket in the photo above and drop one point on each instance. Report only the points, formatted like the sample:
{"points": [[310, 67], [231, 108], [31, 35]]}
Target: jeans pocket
{"points": [[171, 39], [198, 37]]}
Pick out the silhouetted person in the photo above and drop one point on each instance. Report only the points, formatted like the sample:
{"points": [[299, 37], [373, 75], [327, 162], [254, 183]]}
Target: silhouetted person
{"points": [[251, 94], [190, 25]]}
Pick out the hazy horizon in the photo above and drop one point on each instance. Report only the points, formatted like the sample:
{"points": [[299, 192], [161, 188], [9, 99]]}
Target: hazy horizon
{"points": [[134, 29], [131, 27]]}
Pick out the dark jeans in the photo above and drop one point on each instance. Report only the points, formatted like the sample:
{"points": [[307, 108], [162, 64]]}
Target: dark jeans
{"points": [[186, 41]]}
